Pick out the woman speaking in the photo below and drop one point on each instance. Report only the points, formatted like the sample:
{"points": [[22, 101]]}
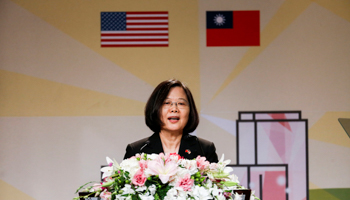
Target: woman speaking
{"points": [[171, 114]]}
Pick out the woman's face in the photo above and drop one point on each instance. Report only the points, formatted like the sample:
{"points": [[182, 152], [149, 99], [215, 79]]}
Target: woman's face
{"points": [[175, 111]]}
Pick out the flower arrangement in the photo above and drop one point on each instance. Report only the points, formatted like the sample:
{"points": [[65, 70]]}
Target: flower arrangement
{"points": [[165, 177]]}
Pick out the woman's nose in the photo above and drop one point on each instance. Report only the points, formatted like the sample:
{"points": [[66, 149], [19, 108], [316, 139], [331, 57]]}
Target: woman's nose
{"points": [[173, 107]]}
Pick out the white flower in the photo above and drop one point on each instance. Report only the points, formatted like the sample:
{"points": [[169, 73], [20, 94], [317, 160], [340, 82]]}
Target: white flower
{"points": [[190, 165], [128, 190], [176, 193], [131, 165], [238, 196], [215, 191], [112, 167], [228, 170], [252, 195], [181, 193], [213, 167], [221, 197], [152, 156], [170, 198], [233, 178], [200, 193], [172, 192], [119, 197], [128, 198], [223, 163], [209, 184], [220, 171], [152, 189], [141, 189], [146, 197]]}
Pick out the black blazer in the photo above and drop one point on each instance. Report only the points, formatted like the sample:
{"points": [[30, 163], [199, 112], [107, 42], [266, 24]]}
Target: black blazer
{"points": [[195, 146]]}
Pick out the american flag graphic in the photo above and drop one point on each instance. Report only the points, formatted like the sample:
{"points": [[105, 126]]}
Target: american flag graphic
{"points": [[134, 29]]}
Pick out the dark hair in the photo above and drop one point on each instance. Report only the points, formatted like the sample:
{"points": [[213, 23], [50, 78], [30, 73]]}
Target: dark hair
{"points": [[155, 103]]}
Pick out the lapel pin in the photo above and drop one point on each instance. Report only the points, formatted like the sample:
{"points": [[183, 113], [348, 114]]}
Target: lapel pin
{"points": [[188, 151]]}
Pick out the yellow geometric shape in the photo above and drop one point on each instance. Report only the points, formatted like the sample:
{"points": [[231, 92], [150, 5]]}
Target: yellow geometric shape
{"points": [[80, 19], [10, 192], [313, 186], [287, 13], [338, 7], [23, 95], [328, 129]]}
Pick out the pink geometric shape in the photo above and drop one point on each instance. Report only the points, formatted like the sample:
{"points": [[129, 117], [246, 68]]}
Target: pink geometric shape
{"points": [[274, 185], [281, 116], [277, 138]]}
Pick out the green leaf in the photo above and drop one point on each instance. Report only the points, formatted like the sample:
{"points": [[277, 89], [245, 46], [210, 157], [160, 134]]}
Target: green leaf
{"points": [[230, 183], [220, 175], [156, 196], [107, 184], [83, 186], [135, 197], [163, 190]]}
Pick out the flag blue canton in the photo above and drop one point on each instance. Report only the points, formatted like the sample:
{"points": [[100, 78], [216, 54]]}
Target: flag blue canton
{"points": [[213, 21], [113, 21]]}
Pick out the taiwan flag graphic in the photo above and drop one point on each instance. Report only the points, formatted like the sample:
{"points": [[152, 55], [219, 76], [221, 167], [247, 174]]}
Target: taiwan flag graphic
{"points": [[233, 28]]}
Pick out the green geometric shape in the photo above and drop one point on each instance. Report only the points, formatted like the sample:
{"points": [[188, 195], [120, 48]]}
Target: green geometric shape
{"points": [[321, 194], [330, 194], [340, 193]]}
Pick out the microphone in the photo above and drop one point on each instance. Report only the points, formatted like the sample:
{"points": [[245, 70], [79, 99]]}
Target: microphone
{"points": [[147, 142]]}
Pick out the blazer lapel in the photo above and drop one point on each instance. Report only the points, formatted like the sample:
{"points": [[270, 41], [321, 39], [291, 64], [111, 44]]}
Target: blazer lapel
{"points": [[188, 147], [154, 144]]}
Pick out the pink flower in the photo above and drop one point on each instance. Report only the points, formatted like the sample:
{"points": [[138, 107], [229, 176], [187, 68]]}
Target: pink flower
{"points": [[213, 166], [96, 187], [227, 195], [106, 195], [108, 179], [202, 164], [185, 183], [138, 156], [162, 166], [139, 178], [143, 164], [164, 157], [175, 157]]}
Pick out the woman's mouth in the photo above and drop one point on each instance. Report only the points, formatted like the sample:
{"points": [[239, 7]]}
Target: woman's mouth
{"points": [[173, 119]]}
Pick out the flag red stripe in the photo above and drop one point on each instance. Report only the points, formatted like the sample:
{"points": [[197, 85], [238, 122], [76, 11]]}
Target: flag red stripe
{"points": [[147, 23], [137, 45], [145, 13], [142, 29], [134, 34], [131, 40], [146, 18]]}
